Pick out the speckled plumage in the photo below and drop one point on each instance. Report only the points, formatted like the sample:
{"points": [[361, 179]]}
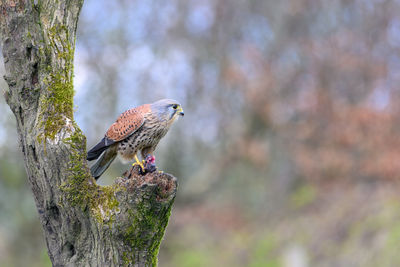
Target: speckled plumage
{"points": [[128, 122], [145, 139], [136, 130]]}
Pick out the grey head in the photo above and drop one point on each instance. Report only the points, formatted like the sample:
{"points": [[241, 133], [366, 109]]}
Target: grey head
{"points": [[167, 109]]}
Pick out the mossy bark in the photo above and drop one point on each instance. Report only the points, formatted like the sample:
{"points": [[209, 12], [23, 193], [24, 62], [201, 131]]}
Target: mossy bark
{"points": [[84, 224]]}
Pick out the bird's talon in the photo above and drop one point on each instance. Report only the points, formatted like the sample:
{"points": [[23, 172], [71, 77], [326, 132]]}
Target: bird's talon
{"points": [[140, 165]]}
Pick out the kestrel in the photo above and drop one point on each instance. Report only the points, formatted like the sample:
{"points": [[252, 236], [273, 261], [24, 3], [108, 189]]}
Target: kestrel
{"points": [[136, 130]]}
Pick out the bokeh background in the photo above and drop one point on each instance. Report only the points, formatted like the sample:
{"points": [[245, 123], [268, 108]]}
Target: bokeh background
{"points": [[289, 151]]}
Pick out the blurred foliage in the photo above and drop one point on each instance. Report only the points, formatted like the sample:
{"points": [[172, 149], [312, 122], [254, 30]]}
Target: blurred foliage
{"points": [[288, 151]]}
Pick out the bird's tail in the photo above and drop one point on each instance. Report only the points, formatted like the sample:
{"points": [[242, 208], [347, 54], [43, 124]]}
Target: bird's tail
{"points": [[96, 151], [103, 162]]}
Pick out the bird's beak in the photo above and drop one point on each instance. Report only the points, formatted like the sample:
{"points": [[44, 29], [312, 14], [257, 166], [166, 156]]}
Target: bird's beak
{"points": [[180, 111]]}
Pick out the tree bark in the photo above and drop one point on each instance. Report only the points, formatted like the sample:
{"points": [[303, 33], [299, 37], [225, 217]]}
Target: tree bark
{"points": [[84, 224]]}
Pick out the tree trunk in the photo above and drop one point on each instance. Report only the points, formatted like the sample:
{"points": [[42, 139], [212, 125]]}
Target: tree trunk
{"points": [[84, 224]]}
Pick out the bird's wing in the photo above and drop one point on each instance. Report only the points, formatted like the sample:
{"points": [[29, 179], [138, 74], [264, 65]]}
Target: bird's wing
{"points": [[127, 123]]}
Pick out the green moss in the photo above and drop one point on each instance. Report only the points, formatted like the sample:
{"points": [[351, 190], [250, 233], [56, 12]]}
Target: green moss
{"points": [[146, 228], [80, 188], [160, 234], [77, 187], [57, 104], [105, 205]]}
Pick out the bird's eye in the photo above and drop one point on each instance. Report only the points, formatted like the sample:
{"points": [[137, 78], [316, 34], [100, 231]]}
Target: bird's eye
{"points": [[175, 106]]}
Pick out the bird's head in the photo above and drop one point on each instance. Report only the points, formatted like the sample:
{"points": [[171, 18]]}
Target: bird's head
{"points": [[167, 110]]}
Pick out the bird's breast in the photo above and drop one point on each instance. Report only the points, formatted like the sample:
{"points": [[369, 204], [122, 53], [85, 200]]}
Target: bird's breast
{"points": [[147, 136]]}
